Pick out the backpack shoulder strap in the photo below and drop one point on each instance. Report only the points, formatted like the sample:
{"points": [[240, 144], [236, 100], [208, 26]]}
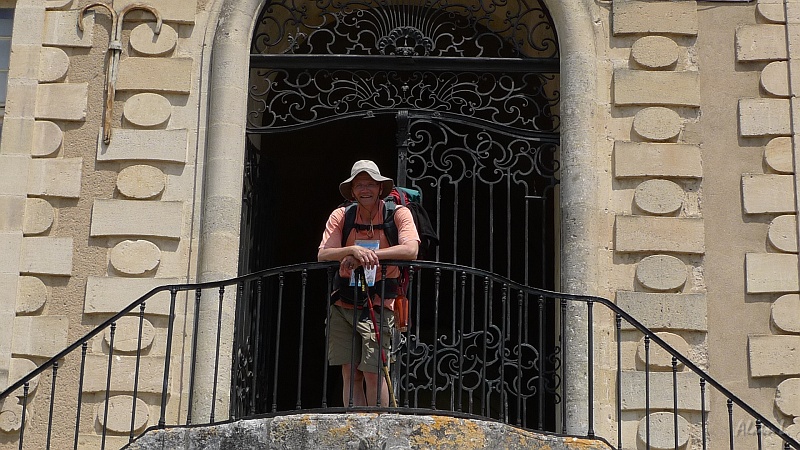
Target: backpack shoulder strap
{"points": [[389, 226], [349, 222]]}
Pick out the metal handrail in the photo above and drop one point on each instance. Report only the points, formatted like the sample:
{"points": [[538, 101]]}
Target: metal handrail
{"points": [[620, 314]]}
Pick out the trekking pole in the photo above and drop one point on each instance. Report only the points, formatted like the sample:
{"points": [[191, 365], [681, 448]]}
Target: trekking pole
{"points": [[378, 338]]}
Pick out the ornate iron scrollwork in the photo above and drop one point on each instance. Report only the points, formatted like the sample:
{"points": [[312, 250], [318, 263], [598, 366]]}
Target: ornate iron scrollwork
{"points": [[284, 99], [494, 28]]}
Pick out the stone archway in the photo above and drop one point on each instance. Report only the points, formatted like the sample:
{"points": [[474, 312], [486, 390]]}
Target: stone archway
{"points": [[223, 170]]}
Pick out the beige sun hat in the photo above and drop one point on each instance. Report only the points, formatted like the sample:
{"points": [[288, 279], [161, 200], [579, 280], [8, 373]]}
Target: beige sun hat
{"points": [[371, 169]]}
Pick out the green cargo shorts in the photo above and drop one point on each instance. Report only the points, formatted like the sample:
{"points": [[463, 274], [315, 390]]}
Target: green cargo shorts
{"points": [[340, 344]]}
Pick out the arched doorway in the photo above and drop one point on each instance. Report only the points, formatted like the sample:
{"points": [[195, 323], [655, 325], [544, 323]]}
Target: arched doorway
{"points": [[457, 100]]}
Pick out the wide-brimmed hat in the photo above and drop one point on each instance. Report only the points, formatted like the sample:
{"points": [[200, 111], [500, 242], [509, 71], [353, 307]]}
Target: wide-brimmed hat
{"points": [[371, 169]]}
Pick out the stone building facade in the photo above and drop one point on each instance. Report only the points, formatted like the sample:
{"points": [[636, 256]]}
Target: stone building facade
{"points": [[678, 187]]}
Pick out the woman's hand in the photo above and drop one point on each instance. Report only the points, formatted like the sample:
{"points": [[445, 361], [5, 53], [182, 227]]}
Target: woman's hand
{"points": [[364, 257], [348, 263]]}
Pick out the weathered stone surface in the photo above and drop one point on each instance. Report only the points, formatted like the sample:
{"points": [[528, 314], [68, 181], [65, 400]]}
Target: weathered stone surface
{"points": [[657, 123], [773, 355], [147, 74], [154, 145], [660, 359], [135, 257], [775, 78], [10, 416], [145, 41], [141, 181], [391, 431], [31, 295], [659, 234], [786, 313], [778, 154], [56, 4], [12, 212], [783, 233], [39, 216], [47, 335], [62, 101], [640, 159], [768, 193], [55, 177], [662, 431], [655, 52], [136, 218], [95, 441], [61, 29], [119, 414], [787, 397], [771, 272], [661, 273], [659, 197], [659, 311], [110, 295], [643, 87], [123, 374], [47, 138], [761, 42], [633, 16], [10, 245], [14, 174], [19, 368], [634, 385], [771, 10], [46, 255], [764, 117], [126, 335], [53, 64], [147, 109], [181, 12]]}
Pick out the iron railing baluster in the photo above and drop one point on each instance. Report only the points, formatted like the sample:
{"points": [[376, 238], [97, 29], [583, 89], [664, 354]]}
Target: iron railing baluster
{"points": [[758, 434], [354, 342], [162, 420], [216, 354], [136, 371], [520, 343], [540, 394], [52, 402], [487, 299], [436, 295], [647, 389], [108, 384], [25, 388], [193, 363], [618, 331], [501, 385], [256, 347], [329, 292], [590, 359], [278, 323], [729, 405], [675, 399], [84, 347], [703, 412], [301, 341], [564, 359]]}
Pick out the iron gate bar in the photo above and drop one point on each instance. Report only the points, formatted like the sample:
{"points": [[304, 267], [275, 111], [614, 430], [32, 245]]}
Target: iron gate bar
{"points": [[400, 63]]}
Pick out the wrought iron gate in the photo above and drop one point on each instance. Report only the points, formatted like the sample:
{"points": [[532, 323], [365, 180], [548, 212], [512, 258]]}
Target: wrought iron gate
{"points": [[469, 91]]}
